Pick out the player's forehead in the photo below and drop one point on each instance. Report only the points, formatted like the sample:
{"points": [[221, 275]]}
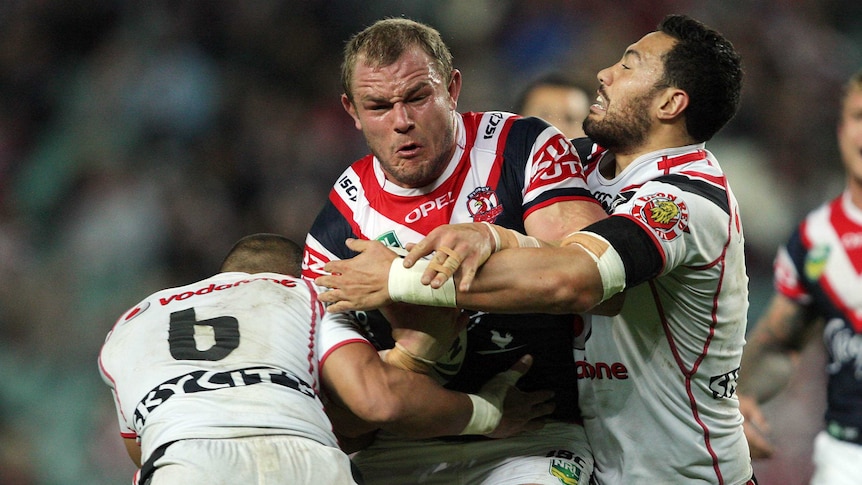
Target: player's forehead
{"points": [[412, 70], [649, 49]]}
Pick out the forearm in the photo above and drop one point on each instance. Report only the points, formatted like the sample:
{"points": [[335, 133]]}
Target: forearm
{"points": [[381, 396], [768, 359], [548, 280], [423, 409], [766, 368]]}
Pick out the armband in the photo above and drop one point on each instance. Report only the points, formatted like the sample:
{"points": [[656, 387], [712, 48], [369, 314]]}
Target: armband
{"points": [[610, 265], [405, 285]]}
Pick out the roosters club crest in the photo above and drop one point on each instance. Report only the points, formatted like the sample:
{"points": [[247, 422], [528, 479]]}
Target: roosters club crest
{"points": [[665, 214], [484, 205]]}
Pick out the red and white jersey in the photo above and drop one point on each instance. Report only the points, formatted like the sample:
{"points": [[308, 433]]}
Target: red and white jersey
{"points": [[504, 168], [820, 268], [657, 382], [233, 355]]}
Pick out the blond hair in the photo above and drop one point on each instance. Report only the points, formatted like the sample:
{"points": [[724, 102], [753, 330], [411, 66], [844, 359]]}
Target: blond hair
{"points": [[386, 40]]}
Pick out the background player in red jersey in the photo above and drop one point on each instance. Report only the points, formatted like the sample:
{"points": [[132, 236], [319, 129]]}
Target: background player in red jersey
{"points": [[673, 242], [217, 382], [431, 165], [818, 277]]}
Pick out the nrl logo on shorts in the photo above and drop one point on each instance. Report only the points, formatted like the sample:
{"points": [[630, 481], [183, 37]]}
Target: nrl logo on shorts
{"points": [[484, 205], [666, 215], [566, 472]]}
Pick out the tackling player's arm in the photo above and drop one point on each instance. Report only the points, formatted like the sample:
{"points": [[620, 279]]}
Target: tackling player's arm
{"points": [[555, 222], [413, 405], [573, 278]]}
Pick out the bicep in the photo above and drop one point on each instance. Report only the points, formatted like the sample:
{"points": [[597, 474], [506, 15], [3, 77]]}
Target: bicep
{"points": [[351, 373], [554, 222]]}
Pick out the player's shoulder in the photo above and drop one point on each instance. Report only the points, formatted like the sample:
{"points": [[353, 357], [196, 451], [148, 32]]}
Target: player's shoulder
{"points": [[588, 151]]}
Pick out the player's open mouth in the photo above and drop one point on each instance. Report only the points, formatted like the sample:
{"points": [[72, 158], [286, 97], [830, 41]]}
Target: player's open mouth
{"points": [[409, 150], [600, 104]]}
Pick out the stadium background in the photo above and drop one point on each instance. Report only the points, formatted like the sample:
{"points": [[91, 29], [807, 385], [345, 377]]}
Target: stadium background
{"points": [[139, 139]]}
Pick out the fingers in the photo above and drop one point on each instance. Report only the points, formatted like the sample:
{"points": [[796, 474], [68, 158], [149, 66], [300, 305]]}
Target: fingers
{"points": [[339, 307], [418, 251], [758, 443], [333, 299], [536, 405], [441, 267], [445, 261], [544, 407], [523, 364], [756, 428], [359, 245]]}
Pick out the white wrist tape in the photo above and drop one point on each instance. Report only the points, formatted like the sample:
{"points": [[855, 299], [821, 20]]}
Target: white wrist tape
{"points": [[495, 235], [405, 286], [485, 416], [610, 266], [488, 404], [526, 241], [522, 240]]}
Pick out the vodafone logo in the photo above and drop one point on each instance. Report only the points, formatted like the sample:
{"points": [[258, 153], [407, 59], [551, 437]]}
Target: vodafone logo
{"points": [[286, 282], [601, 370]]}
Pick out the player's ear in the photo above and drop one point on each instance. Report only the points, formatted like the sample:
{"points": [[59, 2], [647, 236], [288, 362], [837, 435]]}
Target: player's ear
{"points": [[454, 87], [348, 106], [672, 103]]}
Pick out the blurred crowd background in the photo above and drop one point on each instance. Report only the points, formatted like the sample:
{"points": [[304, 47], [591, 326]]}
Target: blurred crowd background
{"points": [[140, 139]]}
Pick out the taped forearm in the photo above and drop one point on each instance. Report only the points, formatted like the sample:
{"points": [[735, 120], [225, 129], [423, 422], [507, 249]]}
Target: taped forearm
{"points": [[488, 403], [608, 261], [405, 285]]}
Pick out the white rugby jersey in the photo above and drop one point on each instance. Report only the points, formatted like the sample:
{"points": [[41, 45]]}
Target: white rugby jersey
{"points": [[657, 382], [234, 355], [820, 268], [504, 168]]}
